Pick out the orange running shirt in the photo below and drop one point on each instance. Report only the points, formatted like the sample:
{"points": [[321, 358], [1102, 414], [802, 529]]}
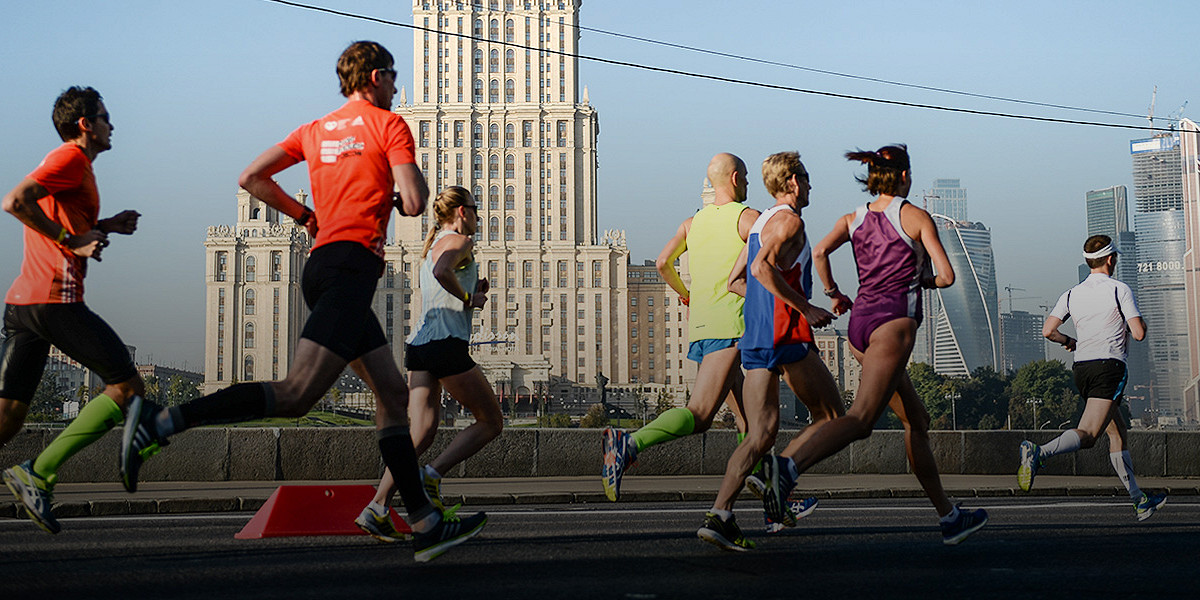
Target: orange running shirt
{"points": [[350, 154], [49, 273]]}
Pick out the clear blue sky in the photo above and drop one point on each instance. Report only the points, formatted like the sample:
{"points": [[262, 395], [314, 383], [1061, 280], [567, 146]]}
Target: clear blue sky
{"points": [[196, 90]]}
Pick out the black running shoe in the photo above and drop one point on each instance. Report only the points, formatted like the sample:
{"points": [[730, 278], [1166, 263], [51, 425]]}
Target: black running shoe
{"points": [[139, 440], [725, 535], [450, 532]]}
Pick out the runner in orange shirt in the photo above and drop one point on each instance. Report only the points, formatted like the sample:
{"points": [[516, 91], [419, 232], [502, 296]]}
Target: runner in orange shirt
{"points": [[356, 156], [59, 204]]}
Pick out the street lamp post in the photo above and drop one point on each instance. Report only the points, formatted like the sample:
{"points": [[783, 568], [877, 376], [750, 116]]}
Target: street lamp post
{"points": [[1034, 402], [954, 397]]}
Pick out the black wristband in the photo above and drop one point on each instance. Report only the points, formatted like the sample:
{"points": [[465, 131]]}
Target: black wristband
{"points": [[303, 219], [398, 202]]}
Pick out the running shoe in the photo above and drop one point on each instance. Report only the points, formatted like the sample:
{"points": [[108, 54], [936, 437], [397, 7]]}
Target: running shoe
{"points": [[433, 487], [35, 493], [1146, 505], [379, 526], [725, 535], [968, 522], [451, 531], [1031, 461], [755, 483], [620, 453], [799, 508], [139, 440], [779, 484]]}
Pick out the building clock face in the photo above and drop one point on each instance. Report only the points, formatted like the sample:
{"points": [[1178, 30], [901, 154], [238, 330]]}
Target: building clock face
{"points": [[1162, 265]]}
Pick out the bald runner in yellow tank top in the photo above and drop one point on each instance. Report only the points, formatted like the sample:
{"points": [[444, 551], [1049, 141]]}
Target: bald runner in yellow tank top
{"points": [[713, 239]]}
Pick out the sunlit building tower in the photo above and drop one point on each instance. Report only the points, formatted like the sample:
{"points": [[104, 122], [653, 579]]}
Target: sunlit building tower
{"points": [[1159, 227], [947, 198], [1189, 144], [254, 307], [963, 320], [500, 112]]}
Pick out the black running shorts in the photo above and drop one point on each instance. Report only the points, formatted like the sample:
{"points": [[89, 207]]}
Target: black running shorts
{"points": [[442, 358], [81, 334], [338, 284], [1103, 378]]}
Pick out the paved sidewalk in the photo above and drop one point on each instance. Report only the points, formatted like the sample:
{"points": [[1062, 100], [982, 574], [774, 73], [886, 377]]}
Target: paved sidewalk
{"points": [[96, 499]]}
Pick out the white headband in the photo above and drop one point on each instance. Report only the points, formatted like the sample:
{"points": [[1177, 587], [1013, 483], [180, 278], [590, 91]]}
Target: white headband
{"points": [[1101, 253]]}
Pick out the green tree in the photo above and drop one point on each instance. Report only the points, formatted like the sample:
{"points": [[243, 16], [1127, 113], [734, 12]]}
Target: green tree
{"points": [[663, 402], [46, 404], [933, 389], [1046, 386], [180, 390], [982, 402], [595, 418], [153, 389]]}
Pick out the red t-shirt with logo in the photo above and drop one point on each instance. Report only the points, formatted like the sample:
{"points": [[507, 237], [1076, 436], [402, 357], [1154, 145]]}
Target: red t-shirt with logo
{"points": [[50, 274], [350, 154]]}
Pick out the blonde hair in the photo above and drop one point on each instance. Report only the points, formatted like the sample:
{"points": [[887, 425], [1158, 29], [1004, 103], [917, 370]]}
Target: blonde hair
{"points": [[778, 168], [443, 211]]}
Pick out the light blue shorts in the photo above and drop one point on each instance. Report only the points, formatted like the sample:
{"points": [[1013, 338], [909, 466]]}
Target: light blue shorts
{"points": [[698, 349]]}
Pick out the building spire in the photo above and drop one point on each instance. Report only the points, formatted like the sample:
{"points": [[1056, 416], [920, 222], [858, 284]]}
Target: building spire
{"points": [[403, 97]]}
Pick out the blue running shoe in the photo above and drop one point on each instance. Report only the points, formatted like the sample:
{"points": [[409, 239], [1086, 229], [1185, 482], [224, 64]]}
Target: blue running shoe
{"points": [[799, 508], [35, 493], [968, 522], [1147, 504], [1031, 461], [620, 453], [779, 484]]}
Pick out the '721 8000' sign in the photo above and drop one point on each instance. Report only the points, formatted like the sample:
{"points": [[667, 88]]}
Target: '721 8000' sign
{"points": [[1162, 265]]}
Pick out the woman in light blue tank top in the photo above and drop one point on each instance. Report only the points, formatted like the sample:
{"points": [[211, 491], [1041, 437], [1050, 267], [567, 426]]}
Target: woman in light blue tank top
{"points": [[437, 354]]}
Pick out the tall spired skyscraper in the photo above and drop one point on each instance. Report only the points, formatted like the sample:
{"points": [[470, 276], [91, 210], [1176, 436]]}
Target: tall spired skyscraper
{"points": [[1159, 227], [496, 108], [963, 320]]}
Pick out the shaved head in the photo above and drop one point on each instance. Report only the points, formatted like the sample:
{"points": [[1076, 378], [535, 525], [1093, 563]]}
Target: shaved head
{"points": [[721, 169]]}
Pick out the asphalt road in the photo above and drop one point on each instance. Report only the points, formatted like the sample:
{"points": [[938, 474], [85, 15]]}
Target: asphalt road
{"points": [[1031, 548]]}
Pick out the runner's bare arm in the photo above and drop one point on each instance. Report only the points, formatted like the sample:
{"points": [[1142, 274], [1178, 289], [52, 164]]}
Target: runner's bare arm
{"points": [[412, 191], [256, 179], [1137, 328], [666, 260], [22, 203], [448, 253], [840, 235], [1050, 331], [737, 277], [783, 229]]}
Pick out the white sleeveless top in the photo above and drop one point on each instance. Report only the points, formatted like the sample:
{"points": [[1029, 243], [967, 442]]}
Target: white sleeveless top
{"points": [[442, 312]]}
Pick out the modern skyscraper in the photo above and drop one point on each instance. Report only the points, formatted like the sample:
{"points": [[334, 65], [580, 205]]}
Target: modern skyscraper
{"points": [[1159, 227], [963, 319], [1021, 341], [500, 113], [1189, 143], [947, 198]]}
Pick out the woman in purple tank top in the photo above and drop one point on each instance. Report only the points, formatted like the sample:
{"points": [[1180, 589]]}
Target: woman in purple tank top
{"points": [[890, 238]]}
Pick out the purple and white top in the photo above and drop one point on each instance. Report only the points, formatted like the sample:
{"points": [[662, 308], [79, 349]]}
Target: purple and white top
{"points": [[889, 271]]}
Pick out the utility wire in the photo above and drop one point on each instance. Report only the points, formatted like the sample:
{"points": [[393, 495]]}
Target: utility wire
{"points": [[719, 78]]}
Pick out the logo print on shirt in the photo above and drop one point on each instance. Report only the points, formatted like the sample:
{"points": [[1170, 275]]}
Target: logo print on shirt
{"points": [[332, 149], [341, 124]]}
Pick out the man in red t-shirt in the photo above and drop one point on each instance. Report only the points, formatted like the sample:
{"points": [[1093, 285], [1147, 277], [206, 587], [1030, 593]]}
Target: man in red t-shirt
{"points": [[59, 205], [357, 155]]}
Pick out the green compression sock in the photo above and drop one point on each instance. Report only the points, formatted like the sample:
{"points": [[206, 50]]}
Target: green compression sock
{"points": [[741, 436], [94, 420], [671, 425]]}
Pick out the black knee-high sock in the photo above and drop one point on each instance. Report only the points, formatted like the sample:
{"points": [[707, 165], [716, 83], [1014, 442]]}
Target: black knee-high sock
{"points": [[241, 402], [395, 444]]}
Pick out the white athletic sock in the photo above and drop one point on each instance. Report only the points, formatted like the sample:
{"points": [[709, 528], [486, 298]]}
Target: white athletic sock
{"points": [[950, 516], [1123, 464], [377, 508], [724, 514], [1067, 442]]}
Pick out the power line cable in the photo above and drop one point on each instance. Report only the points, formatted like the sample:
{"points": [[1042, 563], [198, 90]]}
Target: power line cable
{"points": [[719, 78]]}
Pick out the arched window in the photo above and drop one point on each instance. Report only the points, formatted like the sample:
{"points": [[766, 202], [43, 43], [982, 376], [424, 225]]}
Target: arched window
{"points": [[494, 91], [249, 302], [510, 198], [494, 166], [508, 31], [478, 68], [494, 61], [477, 134], [510, 226], [494, 229], [477, 171], [510, 165], [494, 197], [249, 268], [510, 91], [248, 368], [510, 137], [248, 338], [493, 136], [494, 30], [510, 64], [479, 90], [478, 31], [478, 193]]}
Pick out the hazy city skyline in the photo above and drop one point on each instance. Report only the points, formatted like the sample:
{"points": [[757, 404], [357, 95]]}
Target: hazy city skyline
{"points": [[205, 88]]}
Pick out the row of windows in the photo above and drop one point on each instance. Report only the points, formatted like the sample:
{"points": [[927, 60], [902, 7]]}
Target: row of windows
{"points": [[510, 130], [250, 267]]}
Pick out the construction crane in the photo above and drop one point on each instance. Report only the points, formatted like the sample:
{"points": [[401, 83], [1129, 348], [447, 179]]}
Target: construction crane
{"points": [[1010, 289]]}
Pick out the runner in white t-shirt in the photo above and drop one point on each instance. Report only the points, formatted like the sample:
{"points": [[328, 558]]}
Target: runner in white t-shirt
{"points": [[1106, 315]]}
